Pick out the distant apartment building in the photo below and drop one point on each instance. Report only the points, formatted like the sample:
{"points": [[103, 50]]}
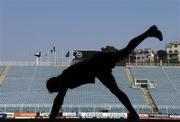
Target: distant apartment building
{"points": [[145, 55], [173, 52]]}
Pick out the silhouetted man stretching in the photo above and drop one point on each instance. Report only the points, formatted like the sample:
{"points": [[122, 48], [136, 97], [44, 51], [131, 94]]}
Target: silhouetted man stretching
{"points": [[99, 66]]}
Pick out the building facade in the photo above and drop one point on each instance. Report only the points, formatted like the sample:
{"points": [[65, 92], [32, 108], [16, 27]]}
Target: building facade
{"points": [[144, 55], [173, 52]]}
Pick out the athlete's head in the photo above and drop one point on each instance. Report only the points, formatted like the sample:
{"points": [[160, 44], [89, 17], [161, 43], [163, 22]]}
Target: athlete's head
{"points": [[52, 84]]}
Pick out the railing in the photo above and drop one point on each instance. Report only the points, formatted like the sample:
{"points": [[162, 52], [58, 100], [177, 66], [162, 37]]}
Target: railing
{"points": [[153, 64], [68, 108], [170, 109], [31, 63], [85, 108], [67, 63]]}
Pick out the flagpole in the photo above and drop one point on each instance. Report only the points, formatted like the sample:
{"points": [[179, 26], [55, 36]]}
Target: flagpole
{"points": [[143, 57], [62, 57], [69, 60], [129, 59], [48, 58], [55, 58], [54, 50]]}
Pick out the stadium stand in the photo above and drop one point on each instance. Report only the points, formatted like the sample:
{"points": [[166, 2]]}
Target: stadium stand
{"points": [[1, 70], [167, 93], [24, 90], [1, 67]]}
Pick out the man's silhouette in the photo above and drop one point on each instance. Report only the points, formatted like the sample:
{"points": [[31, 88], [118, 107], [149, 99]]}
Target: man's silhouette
{"points": [[99, 66]]}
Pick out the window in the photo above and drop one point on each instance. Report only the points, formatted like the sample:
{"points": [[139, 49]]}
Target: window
{"points": [[170, 51], [176, 52]]}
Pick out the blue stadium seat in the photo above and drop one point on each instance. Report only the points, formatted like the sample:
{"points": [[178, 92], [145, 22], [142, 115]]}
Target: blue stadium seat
{"points": [[167, 78]]}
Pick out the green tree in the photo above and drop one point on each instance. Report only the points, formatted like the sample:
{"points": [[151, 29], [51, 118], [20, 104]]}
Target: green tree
{"points": [[109, 48]]}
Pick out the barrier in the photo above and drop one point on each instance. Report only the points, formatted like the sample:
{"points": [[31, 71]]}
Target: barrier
{"points": [[84, 116], [103, 115], [25, 115]]}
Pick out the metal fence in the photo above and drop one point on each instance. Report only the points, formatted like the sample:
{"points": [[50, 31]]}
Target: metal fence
{"points": [[152, 64], [67, 63], [31, 63], [46, 108]]}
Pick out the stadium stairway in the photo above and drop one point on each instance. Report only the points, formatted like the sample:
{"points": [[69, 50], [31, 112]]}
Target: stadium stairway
{"points": [[4, 73], [130, 75], [149, 100], [144, 91]]}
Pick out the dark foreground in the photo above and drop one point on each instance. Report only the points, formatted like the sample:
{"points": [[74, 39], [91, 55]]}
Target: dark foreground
{"points": [[86, 120]]}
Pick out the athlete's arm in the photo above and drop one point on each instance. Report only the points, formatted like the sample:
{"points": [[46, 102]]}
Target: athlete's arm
{"points": [[58, 101]]}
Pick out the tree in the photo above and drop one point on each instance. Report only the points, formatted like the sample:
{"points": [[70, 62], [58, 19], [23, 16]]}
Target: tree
{"points": [[162, 55], [109, 48]]}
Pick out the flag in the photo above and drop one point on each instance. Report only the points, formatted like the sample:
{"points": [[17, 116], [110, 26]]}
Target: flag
{"points": [[67, 54], [54, 49], [51, 50], [38, 54]]}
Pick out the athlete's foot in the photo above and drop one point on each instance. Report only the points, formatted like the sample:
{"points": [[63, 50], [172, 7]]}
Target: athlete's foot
{"points": [[133, 117], [154, 32]]}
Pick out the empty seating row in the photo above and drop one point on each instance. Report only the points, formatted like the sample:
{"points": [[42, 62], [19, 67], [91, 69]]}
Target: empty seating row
{"points": [[27, 85], [167, 80]]}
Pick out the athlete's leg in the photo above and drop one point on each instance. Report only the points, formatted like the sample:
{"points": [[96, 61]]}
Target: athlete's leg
{"points": [[58, 101], [108, 80], [151, 32]]}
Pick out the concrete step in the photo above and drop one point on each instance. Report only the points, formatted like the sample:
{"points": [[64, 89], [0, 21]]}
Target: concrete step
{"points": [[4, 73]]}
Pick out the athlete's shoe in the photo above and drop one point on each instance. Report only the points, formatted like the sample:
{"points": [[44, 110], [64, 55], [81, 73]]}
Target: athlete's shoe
{"points": [[154, 32], [133, 117]]}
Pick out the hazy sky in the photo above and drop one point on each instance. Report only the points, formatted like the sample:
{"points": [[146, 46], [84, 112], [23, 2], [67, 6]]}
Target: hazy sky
{"points": [[28, 26]]}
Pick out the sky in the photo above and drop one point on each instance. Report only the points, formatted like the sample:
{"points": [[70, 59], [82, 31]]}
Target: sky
{"points": [[30, 26]]}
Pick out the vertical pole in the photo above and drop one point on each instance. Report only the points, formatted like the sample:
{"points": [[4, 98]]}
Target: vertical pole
{"points": [[48, 58], [55, 58], [136, 59], [151, 57], [62, 58], [69, 59], [161, 62], [37, 60], [157, 60], [5, 108], [29, 58], [168, 59], [129, 59], [143, 57]]}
